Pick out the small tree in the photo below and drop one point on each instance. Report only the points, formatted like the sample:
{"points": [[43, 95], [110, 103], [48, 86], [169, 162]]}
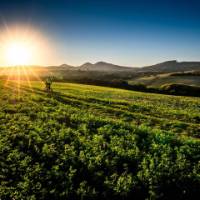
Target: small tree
{"points": [[48, 83]]}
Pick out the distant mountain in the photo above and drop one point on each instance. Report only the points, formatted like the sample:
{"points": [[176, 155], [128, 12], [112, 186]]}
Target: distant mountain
{"points": [[86, 66], [104, 67], [99, 67], [165, 67], [171, 66], [62, 67]]}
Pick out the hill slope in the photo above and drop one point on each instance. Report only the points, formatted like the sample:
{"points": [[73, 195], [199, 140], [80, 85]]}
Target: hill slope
{"points": [[161, 79], [103, 66], [172, 66], [89, 142], [168, 66]]}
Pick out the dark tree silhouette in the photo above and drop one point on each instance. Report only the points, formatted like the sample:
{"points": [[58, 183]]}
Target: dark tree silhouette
{"points": [[48, 83]]}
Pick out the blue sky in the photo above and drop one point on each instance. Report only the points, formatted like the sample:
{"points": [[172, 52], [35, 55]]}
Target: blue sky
{"points": [[132, 33]]}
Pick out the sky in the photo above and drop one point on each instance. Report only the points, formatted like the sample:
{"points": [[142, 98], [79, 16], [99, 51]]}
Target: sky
{"points": [[125, 32]]}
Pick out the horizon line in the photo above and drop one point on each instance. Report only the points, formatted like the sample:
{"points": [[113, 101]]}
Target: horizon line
{"points": [[93, 63]]}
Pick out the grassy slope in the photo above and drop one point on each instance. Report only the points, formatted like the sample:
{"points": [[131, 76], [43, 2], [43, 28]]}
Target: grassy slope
{"points": [[97, 139], [159, 80], [176, 114]]}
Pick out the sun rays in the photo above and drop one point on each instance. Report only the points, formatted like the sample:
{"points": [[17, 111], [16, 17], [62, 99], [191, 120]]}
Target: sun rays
{"points": [[22, 47], [18, 76], [22, 44]]}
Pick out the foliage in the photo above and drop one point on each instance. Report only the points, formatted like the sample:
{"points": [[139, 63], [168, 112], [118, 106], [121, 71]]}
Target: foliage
{"points": [[87, 142], [181, 89]]}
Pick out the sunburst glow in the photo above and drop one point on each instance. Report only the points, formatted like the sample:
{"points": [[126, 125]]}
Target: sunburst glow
{"points": [[23, 50], [22, 45], [18, 53]]}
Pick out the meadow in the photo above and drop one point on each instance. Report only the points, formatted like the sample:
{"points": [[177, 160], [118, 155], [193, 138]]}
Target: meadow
{"points": [[92, 142]]}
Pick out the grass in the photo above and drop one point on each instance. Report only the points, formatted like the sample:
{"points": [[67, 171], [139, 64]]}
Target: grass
{"points": [[91, 142]]}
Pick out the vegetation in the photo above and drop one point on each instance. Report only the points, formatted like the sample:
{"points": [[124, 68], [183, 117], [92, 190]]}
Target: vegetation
{"points": [[186, 83], [157, 80], [89, 142], [187, 73], [181, 89]]}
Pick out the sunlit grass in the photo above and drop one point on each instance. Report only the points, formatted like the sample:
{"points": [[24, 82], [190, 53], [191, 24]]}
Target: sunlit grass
{"points": [[18, 75], [95, 130]]}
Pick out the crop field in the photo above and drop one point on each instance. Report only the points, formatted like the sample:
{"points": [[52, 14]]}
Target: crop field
{"points": [[90, 142]]}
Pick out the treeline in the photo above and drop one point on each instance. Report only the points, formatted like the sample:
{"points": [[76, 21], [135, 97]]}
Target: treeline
{"points": [[171, 89], [189, 73], [118, 80]]}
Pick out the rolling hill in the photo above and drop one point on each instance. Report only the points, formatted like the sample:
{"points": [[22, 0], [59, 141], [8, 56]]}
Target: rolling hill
{"points": [[103, 72], [164, 67], [168, 66], [171, 66], [166, 78], [105, 67], [91, 142]]}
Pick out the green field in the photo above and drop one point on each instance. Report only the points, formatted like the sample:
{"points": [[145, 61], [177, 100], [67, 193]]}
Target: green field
{"points": [[90, 142]]}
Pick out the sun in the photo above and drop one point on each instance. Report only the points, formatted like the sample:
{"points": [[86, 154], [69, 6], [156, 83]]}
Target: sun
{"points": [[26, 45], [18, 53]]}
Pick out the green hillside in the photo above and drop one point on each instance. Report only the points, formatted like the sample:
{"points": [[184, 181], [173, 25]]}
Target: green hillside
{"points": [[161, 79], [90, 142]]}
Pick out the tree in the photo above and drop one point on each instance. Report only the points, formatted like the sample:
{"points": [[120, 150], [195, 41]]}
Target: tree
{"points": [[48, 83]]}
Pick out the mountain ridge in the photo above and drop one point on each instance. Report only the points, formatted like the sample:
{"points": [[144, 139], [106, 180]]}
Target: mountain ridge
{"points": [[167, 66], [172, 66], [101, 66]]}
